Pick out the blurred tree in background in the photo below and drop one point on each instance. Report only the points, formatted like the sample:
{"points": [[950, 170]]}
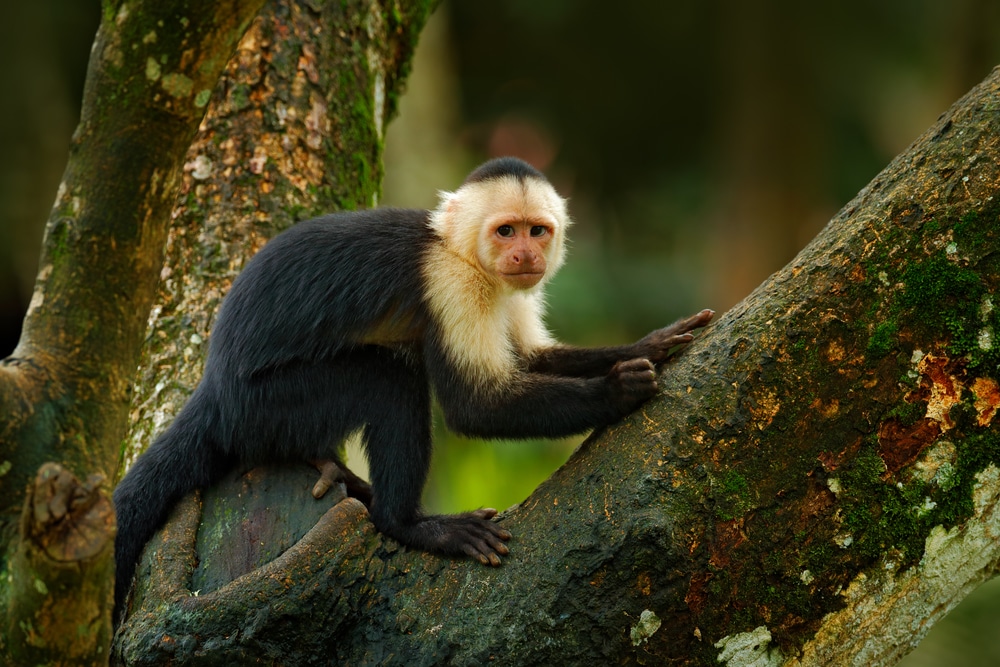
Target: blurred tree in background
{"points": [[757, 121]]}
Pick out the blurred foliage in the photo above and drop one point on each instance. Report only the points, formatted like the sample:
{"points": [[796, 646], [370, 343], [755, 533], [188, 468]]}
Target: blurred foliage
{"points": [[967, 636], [701, 146], [44, 47]]}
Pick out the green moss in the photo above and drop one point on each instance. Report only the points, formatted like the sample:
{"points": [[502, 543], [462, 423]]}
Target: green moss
{"points": [[907, 413], [975, 452], [58, 239], [968, 231], [881, 515], [940, 294], [734, 483], [239, 96], [893, 513], [882, 340], [939, 282], [734, 499]]}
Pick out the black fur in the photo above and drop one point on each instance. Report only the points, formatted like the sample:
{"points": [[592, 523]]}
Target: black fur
{"points": [[290, 373], [504, 166]]}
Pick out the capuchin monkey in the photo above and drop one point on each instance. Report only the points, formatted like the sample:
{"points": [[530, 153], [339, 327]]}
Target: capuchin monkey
{"points": [[347, 322]]}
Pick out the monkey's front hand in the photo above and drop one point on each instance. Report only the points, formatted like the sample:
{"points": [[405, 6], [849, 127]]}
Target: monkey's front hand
{"points": [[631, 383], [469, 534], [657, 346]]}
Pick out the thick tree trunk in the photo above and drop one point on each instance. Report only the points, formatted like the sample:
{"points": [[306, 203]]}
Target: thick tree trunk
{"points": [[64, 392], [816, 484]]}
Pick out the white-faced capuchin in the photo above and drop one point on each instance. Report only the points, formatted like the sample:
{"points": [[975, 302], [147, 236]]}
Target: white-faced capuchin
{"points": [[348, 322]]}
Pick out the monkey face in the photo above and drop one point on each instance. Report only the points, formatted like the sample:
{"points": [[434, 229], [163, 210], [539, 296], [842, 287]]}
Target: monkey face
{"points": [[510, 228], [517, 251]]}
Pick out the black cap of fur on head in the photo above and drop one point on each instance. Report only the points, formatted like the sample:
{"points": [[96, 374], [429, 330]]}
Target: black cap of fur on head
{"points": [[504, 166]]}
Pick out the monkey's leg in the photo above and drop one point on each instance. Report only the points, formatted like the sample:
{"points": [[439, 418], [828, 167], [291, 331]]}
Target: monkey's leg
{"points": [[398, 443], [305, 408]]}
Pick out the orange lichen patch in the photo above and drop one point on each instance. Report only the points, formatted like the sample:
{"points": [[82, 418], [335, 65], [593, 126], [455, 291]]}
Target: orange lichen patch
{"points": [[946, 390], [827, 409], [835, 352], [766, 407], [987, 400], [644, 583], [899, 445]]}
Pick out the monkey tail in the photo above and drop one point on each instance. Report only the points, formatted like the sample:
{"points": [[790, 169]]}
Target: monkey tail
{"points": [[185, 457]]}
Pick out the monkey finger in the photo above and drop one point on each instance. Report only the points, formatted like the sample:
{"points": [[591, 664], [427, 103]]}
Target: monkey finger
{"points": [[478, 550], [488, 538], [492, 529], [320, 488], [639, 373], [491, 534], [679, 339], [638, 365], [696, 321], [485, 513], [472, 552], [497, 545], [686, 324]]}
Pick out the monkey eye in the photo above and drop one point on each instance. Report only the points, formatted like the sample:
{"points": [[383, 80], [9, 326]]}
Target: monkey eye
{"points": [[505, 231], [539, 230]]}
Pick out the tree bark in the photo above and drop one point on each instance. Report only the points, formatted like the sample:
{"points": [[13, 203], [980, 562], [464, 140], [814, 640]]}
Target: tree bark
{"points": [[815, 485], [64, 391]]}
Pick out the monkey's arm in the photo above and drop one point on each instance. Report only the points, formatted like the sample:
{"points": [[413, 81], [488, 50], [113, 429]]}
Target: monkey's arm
{"points": [[595, 362], [535, 405]]}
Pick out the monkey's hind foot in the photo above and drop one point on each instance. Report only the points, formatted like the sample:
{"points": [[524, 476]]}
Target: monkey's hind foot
{"points": [[469, 534], [331, 472]]}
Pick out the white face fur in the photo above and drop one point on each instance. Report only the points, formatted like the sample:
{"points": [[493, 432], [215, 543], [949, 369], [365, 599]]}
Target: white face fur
{"points": [[468, 219], [485, 320]]}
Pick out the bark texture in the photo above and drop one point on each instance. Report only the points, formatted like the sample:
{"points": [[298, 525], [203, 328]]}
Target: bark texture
{"points": [[816, 484], [64, 392], [61, 572]]}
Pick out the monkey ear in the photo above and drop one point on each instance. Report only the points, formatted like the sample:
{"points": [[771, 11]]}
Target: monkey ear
{"points": [[444, 216], [446, 201]]}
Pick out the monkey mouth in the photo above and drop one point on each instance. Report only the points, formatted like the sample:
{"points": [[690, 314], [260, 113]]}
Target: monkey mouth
{"points": [[523, 279]]}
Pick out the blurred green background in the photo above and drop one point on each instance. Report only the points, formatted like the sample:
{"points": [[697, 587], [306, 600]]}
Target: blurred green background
{"points": [[701, 146]]}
